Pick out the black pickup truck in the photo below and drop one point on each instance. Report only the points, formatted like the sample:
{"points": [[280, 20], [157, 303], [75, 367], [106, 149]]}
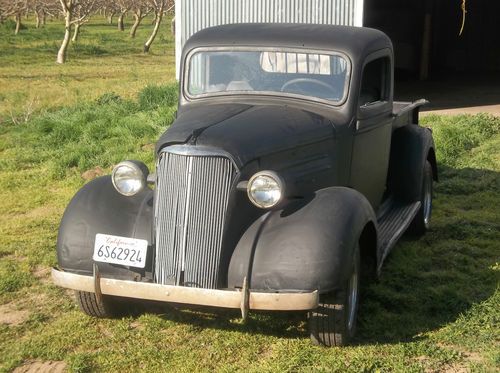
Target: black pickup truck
{"points": [[288, 176]]}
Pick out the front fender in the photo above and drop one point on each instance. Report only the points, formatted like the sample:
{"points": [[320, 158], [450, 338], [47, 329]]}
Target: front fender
{"points": [[308, 245], [99, 208]]}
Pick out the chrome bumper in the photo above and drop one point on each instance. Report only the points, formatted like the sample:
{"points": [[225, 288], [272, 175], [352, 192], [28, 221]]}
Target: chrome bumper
{"points": [[244, 299]]}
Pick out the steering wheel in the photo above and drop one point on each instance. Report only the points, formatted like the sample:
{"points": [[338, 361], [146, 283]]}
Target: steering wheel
{"points": [[300, 81]]}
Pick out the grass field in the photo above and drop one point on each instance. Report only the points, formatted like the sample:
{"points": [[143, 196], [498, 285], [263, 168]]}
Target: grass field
{"points": [[103, 60], [436, 307]]}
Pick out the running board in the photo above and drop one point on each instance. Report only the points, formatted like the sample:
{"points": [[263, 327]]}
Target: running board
{"points": [[394, 219]]}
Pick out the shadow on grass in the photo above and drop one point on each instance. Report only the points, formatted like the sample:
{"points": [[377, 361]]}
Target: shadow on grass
{"points": [[279, 324], [426, 283]]}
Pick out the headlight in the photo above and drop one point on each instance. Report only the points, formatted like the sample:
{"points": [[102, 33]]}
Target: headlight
{"points": [[129, 177], [265, 189]]}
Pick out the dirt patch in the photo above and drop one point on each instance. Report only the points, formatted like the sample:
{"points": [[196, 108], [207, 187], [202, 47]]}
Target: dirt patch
{"points": [[93, 173], [473, 357], [42, 273], [428, 367], [42, 367], [35, 302], [455, 368], [136, 325], [42, 212], [469, 356], [148, 147], [11, 316]]}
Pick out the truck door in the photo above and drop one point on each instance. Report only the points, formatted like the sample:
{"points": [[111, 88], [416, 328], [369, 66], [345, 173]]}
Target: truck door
{"points": [[373, 129]]}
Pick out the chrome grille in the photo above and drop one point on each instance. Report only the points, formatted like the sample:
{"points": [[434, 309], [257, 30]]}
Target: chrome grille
{"points": [[192, 193]]}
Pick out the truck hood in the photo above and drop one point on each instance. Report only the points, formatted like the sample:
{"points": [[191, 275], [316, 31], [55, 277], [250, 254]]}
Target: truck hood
{"points": [[247, 132]]}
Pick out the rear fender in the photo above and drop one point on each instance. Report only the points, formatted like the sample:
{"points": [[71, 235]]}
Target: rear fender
{"points": [[308, 245], [99, 208], [411, 147]]}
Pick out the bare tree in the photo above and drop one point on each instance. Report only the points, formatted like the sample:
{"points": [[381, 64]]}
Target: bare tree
{"points": [[75, 12], [123, 7], [141, 10], [7, 9], [22, 7], [110, 9], [159, 7], [42, 9], [16, 8], [83, 11], [40, 15]]}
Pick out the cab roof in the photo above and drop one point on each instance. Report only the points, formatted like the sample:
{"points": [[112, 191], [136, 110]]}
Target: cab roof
{"points": [[355, 42]]}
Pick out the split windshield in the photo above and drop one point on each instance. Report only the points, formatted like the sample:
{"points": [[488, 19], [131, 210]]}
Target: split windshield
{"points": [[312, 75]]}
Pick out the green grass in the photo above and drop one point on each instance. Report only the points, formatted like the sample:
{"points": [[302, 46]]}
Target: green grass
{"points": [[435, 308], [97, 133], [103, 60]]}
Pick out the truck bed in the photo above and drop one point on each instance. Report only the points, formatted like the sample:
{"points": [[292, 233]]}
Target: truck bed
{"points": [[406, 112]]}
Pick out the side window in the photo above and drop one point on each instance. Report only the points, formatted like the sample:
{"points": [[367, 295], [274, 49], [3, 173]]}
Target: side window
{"points": [[375, 82]]}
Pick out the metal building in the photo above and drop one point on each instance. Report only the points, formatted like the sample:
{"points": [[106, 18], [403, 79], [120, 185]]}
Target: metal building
{"points": [[195, 15]]}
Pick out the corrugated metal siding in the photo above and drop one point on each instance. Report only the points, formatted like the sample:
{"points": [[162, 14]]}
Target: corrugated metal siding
{"points": [[195, 15]]}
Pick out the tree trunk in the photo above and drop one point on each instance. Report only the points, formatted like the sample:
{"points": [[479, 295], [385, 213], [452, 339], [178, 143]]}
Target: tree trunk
{"points": [[110, 18], [18, 23], [135, 26], [38, 20], [44, 19], [159, 17], [61, 55], [76, 33], [121, 26]]}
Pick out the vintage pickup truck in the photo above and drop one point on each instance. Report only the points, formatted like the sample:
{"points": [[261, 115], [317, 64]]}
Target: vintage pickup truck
{"points": [[286, 178]]}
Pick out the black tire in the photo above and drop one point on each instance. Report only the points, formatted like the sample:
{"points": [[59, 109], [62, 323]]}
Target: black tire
{"points": [[333, 323], [421, 221], [90, 305]]}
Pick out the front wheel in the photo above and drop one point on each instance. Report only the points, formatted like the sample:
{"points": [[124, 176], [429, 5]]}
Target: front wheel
{"points": [[422, 220], [333, 323], [92, 306]]}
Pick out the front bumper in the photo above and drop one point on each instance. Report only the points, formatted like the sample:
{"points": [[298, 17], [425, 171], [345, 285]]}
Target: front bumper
{"points": [[244, 299]]}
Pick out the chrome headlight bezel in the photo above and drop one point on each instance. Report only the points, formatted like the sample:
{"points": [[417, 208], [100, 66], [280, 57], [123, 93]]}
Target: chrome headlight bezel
{"points": [[131, 171], [267, 177]]}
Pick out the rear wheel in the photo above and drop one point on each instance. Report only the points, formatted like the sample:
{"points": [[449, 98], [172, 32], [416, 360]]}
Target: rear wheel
{"points": [[333, 323], [89, 304], [422, 220]]}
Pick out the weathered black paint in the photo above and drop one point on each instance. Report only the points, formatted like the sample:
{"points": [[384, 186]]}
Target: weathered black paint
{"points": [[99, 208], [248, 132], [411, 147], [307, 245], [334, 160], [356, 43]]}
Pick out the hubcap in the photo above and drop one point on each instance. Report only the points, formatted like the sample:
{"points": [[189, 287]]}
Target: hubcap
{"points": [[353, 298], [427, 201]]}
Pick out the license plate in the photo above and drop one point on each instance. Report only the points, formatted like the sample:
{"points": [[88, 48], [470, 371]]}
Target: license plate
{"points": [[120, 250]]}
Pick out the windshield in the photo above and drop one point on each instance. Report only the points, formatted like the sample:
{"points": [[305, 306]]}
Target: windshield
{"points": [[322, 76]]}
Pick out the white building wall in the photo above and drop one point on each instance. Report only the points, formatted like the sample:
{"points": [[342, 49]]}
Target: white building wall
{"points": [[195, 15]]}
